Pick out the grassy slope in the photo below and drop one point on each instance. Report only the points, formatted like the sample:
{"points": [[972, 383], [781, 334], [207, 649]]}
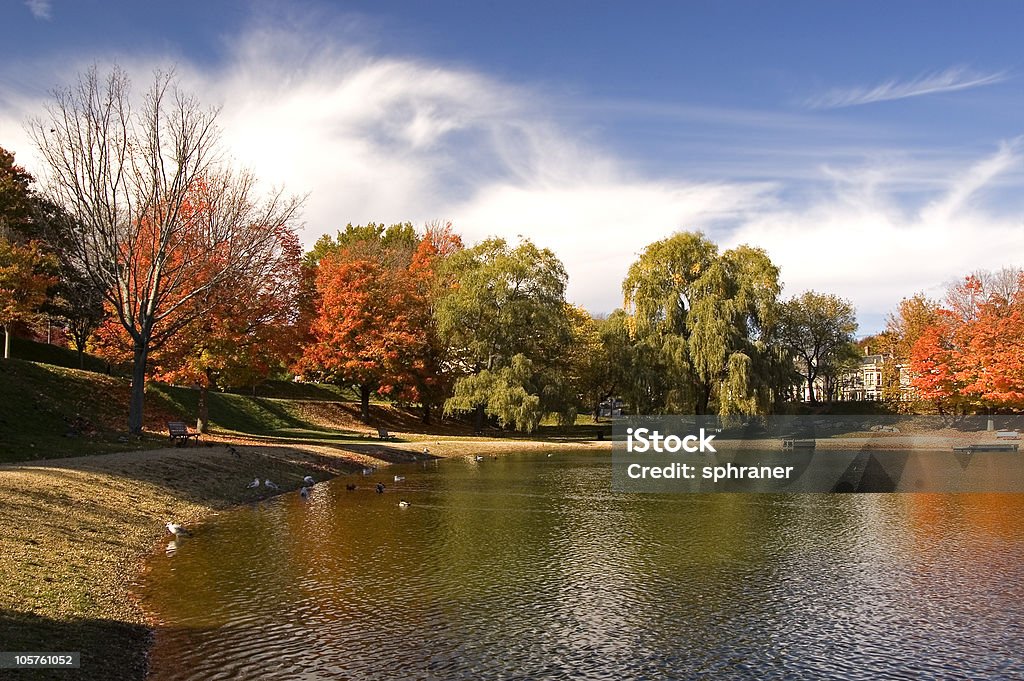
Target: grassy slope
{"points": [[31, 351], [43, 403], [51, 411]]}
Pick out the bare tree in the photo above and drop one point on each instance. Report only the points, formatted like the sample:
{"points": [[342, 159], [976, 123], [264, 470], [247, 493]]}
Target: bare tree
{"points": [[161, 219]]}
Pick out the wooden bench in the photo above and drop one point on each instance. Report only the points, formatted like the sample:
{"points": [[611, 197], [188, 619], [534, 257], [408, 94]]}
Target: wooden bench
{"points": [[383, 434], [177, 430], [1007, 435]]}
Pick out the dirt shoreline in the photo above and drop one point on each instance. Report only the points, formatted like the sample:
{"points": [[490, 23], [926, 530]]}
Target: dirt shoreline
{"points": [[75, 532]]}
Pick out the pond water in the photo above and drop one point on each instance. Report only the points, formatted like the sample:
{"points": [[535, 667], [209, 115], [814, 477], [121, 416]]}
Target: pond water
{"points": [[530, 567]]}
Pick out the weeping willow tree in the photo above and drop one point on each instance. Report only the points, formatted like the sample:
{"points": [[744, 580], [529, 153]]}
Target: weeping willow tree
{"points": [[706, 319], [504, 318]]}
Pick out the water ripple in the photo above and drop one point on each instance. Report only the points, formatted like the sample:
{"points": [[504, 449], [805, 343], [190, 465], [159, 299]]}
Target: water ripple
{"points": [[531, 568]]}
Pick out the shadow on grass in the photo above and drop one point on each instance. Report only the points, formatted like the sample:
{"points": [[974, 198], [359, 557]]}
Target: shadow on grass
{"points": [[52, 412], [110, 649]]}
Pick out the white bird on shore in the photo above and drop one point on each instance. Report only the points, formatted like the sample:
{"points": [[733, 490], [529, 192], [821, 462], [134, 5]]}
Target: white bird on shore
{"points": [[426, 451], [403, 504], [254, 484], [309, 480], [399, 478], [304, 492], [178, 530], [478, 458], [270, 485]]}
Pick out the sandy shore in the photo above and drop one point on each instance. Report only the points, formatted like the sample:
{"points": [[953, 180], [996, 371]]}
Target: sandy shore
{"points": [[74, 533]]}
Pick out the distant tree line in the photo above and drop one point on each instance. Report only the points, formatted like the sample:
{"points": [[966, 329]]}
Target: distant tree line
{"points": [[159, 254]]}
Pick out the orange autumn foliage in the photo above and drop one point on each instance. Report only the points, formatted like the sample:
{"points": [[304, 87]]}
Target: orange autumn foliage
{"points": [[209, 326], [373, 324], [974, 353]]}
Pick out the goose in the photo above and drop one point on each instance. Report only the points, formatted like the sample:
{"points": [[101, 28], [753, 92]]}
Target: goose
{"points": [[177, 530], [403, 504], [426, 451], [309, 480], [367, 471], [380, 488], [478, 458], [254, 484], [399, 478], [270, 485], [304, 492]]}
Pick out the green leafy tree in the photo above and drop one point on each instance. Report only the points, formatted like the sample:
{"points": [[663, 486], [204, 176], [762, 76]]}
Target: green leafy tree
{"points": [[504, 319], [19, 207], [396, 242], [704, 320], [818, 330]]}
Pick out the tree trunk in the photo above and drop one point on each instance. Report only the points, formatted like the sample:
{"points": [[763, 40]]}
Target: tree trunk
{"points": [[811, 397], [7, 342], [364, 402], [479, 418], [703, 398], [426, 413], [203, 419], [138, 398]]}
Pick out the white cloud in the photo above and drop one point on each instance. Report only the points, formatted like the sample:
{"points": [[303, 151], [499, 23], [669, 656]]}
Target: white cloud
{"points": [[860, 244], [950, 80], [375, 138], [41, 9]]}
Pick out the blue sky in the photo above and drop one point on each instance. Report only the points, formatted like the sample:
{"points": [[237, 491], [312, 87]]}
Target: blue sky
{"points": [[872, 148]]}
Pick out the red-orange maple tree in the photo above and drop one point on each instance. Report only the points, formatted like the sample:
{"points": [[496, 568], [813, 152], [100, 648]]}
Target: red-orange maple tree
{"points": [[373, 325], [974, 354], [365, 331], [226, 309]]}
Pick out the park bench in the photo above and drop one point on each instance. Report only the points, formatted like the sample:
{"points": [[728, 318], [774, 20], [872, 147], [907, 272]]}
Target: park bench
{"points": [[1007, 435], [177, 430], [383, 434]]}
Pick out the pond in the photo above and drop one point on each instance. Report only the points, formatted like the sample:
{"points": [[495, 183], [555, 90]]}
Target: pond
{"points": [[529, 567]]}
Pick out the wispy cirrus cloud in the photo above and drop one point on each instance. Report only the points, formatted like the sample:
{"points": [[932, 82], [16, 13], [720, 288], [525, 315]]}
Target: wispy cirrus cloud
{"points": [[950, 80], [41, 9]]}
